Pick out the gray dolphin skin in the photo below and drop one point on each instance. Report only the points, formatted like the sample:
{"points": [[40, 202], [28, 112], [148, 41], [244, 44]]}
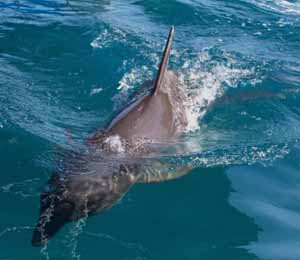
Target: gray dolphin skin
{"points": [[95, 180]]}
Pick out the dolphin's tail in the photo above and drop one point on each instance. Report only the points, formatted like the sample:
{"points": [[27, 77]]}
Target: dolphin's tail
{"points": [[164, 62]]}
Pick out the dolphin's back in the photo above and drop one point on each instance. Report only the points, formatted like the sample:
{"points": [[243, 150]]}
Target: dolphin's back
{"points": [[152, 117]]}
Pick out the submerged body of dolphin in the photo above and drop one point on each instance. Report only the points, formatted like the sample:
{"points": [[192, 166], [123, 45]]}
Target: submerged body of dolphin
{"points": [[94, 181]]}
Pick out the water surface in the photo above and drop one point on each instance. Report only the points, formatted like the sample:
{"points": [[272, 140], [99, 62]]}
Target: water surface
{"points": [[68, 66]]}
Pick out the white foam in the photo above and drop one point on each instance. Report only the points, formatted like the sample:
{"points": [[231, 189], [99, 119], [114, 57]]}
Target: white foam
{"points": [[135, 77], [206, 80], [115, 144], [106, 38], [281, 6], [130, 80], [95, 91]]}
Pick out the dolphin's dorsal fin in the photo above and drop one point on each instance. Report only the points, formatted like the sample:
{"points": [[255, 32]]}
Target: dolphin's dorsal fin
{"points": [[164, 62]]}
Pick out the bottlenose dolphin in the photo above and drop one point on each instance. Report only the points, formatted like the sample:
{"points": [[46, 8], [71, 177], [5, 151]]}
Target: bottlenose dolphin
{"points": [[97, 179]]}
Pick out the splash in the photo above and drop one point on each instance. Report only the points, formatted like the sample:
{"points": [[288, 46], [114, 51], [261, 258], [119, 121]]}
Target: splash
{"points": [[114, 143], [76, 231], [108, 37], [134, 77], [206, 79]]}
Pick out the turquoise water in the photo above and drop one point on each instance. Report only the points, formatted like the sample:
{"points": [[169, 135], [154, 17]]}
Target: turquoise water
{"points": [[68, 66]]}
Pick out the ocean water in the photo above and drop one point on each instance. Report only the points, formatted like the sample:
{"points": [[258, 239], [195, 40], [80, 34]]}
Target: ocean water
{"points": [[66, 67]]}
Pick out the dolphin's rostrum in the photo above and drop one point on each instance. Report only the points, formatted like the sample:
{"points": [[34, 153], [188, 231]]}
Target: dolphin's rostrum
{"points": [[97, 179]]}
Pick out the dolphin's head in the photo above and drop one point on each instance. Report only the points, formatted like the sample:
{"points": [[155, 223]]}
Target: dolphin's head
{"points": [[55, 211], [72, 197], [50, 222]]}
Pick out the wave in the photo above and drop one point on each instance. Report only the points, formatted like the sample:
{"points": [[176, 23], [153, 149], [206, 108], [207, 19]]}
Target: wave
{"points": [[279, 6]]}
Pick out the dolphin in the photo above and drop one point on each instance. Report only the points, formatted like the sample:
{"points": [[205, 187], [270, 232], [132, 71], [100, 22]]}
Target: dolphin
{"points": [[95, 180]]}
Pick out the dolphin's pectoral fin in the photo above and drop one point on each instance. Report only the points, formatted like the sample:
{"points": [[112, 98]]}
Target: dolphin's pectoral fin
{"points": [[162, 172], [164, 62]]}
